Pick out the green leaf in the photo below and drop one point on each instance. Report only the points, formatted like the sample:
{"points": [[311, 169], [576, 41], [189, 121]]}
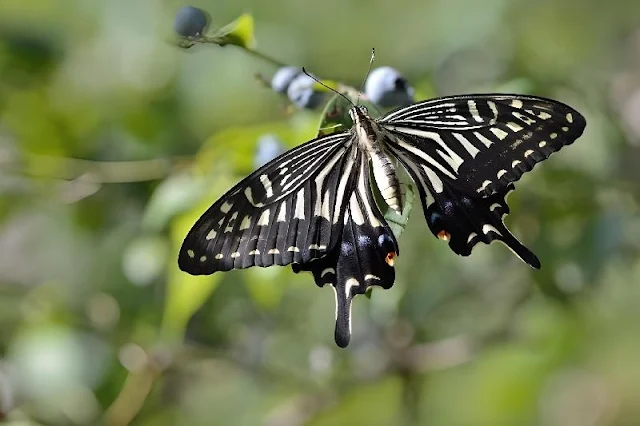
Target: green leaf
{"points": [[369, 292], [266, 287], [185, 293], [239, 33], [397, 222], [232, 150], [174, 195], [335, 116]]}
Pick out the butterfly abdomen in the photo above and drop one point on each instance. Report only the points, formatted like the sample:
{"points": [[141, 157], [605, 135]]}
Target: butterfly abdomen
{"points": [[384, 173]]}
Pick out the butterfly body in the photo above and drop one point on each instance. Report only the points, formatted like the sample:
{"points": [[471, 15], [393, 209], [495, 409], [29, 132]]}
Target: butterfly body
{"points": [[371, 136], [313, 206]]}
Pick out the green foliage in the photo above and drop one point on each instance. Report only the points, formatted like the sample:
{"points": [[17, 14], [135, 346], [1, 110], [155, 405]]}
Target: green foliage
{"points": [[238, 33], [396, 221], [185, 293], [113, 142], [335, 116]]}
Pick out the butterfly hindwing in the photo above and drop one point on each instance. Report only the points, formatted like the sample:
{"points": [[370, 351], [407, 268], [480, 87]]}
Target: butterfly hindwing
{"points": [[464, 219], [363, 258], [286, 211]]}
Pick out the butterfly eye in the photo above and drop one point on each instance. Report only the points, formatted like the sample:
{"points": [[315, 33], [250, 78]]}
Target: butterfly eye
{"points": [[444, 235]]}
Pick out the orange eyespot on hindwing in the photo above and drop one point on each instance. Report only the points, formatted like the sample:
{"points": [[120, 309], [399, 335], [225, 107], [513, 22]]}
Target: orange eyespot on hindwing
{"points": [[444, 235], [390, 258]]}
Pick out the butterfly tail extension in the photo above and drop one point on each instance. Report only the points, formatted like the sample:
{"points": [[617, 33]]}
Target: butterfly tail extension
{"points": [[462, 219], [465, 220], [363, 258], [499, 209]]}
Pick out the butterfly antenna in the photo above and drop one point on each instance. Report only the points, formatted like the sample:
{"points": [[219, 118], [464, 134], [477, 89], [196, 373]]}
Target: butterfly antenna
{"points": [[373, 57], [327, 87]]}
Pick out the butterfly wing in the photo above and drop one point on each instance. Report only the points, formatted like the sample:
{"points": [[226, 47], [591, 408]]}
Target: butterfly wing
{"points": [[485, 142], [289, 210], [465, 152], [363, 258]]}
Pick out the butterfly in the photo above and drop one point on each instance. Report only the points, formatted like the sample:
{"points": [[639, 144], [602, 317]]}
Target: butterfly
{"points": [[314, 207]]}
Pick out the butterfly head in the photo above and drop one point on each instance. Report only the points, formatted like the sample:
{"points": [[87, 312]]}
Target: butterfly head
{"points": [[358, 113]]}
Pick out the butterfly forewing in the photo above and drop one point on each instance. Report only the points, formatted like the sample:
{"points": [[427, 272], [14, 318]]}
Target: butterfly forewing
{"points": [[286, 211], [484, 142]]}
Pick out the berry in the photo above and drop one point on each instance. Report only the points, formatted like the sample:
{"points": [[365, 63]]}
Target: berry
{"points": [[283, 78], [301, 92], [190, 21], [268, 148], [386, 87]]}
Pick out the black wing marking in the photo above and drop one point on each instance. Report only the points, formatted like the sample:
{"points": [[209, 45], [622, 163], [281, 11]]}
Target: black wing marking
{"points": [[363, 258], [484, 142], [289, 210], [463, 219]]}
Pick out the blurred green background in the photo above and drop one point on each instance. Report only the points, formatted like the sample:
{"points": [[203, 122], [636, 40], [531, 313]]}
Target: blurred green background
{"points": [[113, 141]]}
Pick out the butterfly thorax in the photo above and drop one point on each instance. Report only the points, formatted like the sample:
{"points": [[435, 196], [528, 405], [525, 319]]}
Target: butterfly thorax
{"points": [[370, 138]]}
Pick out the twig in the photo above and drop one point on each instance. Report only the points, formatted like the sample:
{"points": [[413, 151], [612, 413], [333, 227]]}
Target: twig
{"points": [[137, 387], [349, 91], [100, 172], [129, 401], [221, 41], [264, 57]]}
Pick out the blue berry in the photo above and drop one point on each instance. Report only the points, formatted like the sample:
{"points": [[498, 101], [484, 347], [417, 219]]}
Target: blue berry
{"points": [[268, 148], [301, 93], [190, 21], [283, 78], [386, 87]]}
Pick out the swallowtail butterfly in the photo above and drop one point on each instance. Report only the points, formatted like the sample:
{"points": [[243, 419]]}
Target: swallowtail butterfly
{"points": [[313, 206]]}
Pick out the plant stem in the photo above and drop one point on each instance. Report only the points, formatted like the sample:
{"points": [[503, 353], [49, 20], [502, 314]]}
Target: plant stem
{"points": [[265, 57], [100, 172], [221, 41]]}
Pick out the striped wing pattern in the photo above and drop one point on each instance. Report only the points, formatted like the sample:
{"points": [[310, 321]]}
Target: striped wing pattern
{"points": [[289, 210], [363, 259], [313, 206], [465, 153], [484, 142]]}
